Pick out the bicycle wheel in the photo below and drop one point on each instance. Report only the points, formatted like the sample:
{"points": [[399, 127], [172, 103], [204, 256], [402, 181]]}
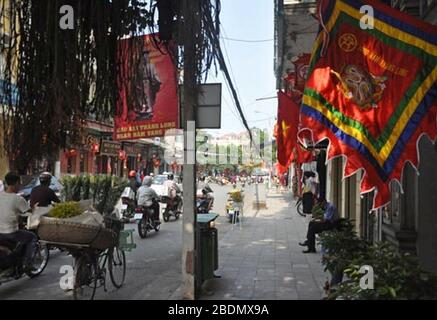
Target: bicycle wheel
{"points": [[85, 278], [299, 207], [40, 260], [117, 266]]}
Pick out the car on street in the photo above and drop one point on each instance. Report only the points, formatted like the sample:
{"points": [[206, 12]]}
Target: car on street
{"points": [[158, 184]]}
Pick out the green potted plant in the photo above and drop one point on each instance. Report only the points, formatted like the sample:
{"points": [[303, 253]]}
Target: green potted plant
{"points": [[340, 246], [397, 276]]}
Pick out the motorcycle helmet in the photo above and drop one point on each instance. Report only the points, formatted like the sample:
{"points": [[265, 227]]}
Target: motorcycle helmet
{"points": [[132, 174], [45, 177], [147, 181]]}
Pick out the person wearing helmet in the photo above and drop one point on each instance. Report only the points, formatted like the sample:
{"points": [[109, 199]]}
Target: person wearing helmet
{"points": [[42, 194], [172, 189], [147, 197], [133, 183], [171, 185]]}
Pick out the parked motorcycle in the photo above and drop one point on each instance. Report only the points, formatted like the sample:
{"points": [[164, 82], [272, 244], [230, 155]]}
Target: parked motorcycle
{"points": [[144, 218], [204, 200], [126, 205], [203, 205], [172, 209], [12, 259]]}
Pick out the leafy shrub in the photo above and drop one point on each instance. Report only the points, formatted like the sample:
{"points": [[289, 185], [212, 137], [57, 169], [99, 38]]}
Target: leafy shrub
{"points": [[341, 246], [65, 210], [396, 275], [103, 189]]}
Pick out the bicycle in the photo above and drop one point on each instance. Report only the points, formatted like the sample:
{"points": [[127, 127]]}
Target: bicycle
{"points": [[299, 206], [90, 271], [91, 264]]}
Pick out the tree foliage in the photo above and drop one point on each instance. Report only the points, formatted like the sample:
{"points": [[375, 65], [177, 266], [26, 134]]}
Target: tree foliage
{"points": [[62, 75]]}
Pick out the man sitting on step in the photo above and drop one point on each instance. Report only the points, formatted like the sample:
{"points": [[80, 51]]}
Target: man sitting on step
{"points": [[328, 222]]}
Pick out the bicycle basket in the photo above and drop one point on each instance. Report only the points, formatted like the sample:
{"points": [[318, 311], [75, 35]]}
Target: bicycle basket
{"points": [[114, 224]]}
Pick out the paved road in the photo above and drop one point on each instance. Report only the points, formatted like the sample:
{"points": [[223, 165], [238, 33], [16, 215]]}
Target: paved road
{"points": [[153, 268]]}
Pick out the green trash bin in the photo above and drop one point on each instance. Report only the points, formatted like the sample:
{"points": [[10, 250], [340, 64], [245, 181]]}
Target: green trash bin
{"points": [[207, 245]]}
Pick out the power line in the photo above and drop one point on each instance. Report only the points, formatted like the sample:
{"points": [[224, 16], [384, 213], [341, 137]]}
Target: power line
{"points": [[229, 63], [247, 41], [259, 120], [221, 60]]}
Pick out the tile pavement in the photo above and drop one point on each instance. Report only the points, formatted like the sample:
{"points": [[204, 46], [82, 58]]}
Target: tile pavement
{"points": [[263, 260]]}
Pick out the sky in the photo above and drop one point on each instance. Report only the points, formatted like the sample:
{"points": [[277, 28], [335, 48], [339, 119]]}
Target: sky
{"points": [[250, 63]]}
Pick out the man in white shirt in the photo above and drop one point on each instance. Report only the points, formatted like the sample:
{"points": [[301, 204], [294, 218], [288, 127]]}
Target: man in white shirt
{"points": [[11, 206], [173, 189], [147, 197]]}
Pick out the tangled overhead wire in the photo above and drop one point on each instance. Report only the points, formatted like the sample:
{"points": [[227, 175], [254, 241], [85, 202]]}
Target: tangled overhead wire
{"points": [[62, 76]]}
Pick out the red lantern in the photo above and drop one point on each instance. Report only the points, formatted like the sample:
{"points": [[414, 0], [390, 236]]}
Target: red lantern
{"points": [[95, 148], [71, 153], [122, 155], [156, 162]]}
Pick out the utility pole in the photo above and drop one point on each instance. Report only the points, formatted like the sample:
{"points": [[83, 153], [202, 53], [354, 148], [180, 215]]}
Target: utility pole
{"points": [[189, 256]]}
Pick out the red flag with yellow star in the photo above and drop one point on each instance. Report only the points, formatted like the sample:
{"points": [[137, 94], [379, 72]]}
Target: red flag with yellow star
{"points": [[287, 125]]}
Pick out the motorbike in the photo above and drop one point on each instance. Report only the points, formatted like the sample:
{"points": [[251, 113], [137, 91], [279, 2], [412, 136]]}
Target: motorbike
{"points": [[172, 209], [203, 205], [144, 217], [204, 200], [12, 258], [126, 205]]}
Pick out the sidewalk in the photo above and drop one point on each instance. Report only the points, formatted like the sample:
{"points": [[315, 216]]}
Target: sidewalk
{"points": [[263, 260]]}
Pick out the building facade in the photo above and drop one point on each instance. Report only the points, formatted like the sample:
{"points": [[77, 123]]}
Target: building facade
{"points": [[410, 220]]}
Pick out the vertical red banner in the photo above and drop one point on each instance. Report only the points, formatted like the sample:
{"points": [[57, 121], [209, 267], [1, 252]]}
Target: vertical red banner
{"points": [[148, 103]]}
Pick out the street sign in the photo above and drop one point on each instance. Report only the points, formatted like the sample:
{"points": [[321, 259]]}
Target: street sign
{"points": [[208, 109]]}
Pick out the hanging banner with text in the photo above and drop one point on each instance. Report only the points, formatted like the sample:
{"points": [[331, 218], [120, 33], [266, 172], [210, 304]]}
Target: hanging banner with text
{"points": [[147, 81]]}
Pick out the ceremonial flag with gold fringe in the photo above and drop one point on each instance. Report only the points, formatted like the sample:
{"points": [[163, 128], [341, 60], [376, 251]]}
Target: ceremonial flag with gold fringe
{"points": [[372, 91]]}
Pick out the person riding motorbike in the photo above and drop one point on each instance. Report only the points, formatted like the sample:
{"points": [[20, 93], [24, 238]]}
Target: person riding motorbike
{"points": [[147, 197], [204, 186], [205, 193], [11, 206], [42, 194], [133, 182], [173, 189]]}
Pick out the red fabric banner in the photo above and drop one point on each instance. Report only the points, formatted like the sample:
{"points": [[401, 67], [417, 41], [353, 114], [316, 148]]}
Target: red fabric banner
{"points": [[287, 125]]}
